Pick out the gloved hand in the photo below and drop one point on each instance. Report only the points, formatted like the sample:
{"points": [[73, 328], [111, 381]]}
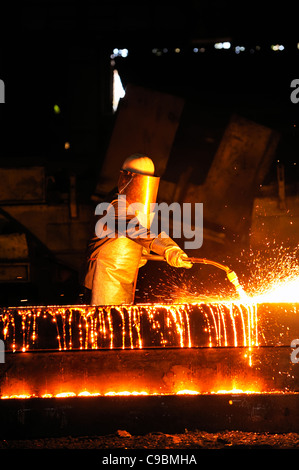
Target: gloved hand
{"points": [[143, 260], [176, 257]]}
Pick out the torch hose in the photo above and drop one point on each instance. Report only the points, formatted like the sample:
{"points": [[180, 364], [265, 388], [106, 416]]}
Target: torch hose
{"points": [[208, 261], [192, 260], [231, 275]]}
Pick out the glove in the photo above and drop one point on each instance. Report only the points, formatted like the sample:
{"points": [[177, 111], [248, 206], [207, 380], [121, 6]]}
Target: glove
{"points": [[177, 258], [143, 260]]}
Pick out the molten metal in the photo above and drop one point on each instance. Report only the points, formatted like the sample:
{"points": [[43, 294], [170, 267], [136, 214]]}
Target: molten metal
{"points": [[135, 327]]}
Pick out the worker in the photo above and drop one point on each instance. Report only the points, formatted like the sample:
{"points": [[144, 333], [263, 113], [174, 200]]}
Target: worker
{"points": [[113, 262]]}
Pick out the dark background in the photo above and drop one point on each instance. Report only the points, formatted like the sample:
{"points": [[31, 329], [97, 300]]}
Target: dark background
{"points": [[59, 53]]}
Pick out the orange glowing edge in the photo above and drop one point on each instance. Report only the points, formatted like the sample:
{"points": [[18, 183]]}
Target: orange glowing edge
{"points": [[125, 393]]}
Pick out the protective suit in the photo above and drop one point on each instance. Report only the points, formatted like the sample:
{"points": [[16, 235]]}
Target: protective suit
{"points": [[114, 261]]}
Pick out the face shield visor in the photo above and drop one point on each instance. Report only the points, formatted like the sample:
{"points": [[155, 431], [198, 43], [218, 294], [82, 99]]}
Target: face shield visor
{"points": [[140, 191]]}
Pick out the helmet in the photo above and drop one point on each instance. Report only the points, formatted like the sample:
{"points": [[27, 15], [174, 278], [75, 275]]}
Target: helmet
{"points": [[139, 163]]}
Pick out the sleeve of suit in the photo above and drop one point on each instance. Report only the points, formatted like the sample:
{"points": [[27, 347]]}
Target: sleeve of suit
{"points": [[158, 243]]}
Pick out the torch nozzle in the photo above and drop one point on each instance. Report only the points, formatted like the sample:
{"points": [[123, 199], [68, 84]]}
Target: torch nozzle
{"points": [[233, 278]]}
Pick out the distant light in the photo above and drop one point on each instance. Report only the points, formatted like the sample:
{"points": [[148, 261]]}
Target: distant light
{"points": [[159, 52], [277, 47], [119, 53], [222, 45], [177, 50], [56, 109], [202, 49], [297, 45], [195, 49], [67, 145], [239, 49]]}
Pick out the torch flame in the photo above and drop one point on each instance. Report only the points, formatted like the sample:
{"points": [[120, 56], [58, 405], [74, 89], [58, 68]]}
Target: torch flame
{"points": [[286, 290]]}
